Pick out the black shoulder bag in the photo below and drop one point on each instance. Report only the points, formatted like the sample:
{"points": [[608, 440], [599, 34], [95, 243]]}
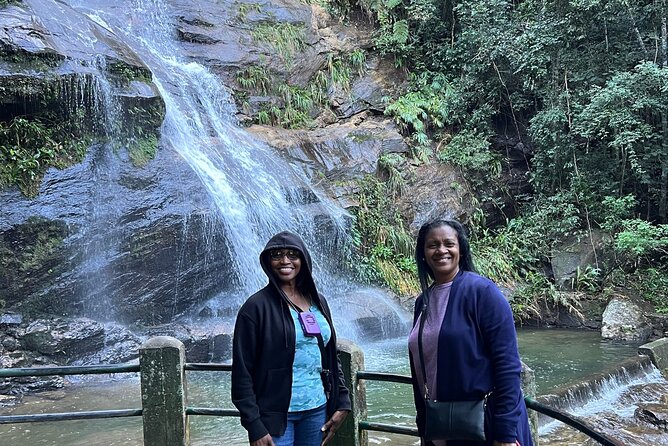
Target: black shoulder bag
{"points": [[450, 420]]}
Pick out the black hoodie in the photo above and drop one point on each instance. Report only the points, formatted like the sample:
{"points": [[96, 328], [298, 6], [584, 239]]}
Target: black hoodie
{"points": [[264, 349]]}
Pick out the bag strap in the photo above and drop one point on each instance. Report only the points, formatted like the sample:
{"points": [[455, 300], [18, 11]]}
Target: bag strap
{"points": [[423, 316], [324, 359]]}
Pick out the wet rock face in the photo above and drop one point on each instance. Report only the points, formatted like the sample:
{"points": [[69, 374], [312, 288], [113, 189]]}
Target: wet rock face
{"points": [[31, 255], [129, 248], [653, 413], [60, 341], [64, 339]]}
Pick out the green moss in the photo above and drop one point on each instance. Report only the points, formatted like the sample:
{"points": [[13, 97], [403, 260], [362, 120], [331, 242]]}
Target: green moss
{"points": [[123, 73], [22, 60], [143, 150], [29, 254]]}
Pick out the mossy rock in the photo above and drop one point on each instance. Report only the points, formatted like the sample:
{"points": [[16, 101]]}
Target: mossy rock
{"points": [[30, 257]]}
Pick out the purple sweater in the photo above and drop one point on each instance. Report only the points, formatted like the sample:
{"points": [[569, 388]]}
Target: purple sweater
{"points": [[477, 353]]}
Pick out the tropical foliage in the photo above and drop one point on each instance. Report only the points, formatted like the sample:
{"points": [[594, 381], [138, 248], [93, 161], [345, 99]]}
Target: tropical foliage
{"points": [[582, 85]]}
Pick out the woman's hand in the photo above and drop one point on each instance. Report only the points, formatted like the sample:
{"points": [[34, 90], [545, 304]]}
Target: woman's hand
{"points": [[333, 424], [264, 441]]}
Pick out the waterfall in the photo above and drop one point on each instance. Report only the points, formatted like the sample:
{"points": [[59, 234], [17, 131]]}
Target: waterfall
{"points": [[254, 193], [249, 184]]}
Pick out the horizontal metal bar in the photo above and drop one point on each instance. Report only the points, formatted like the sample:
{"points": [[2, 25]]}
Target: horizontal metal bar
{"points": [[65, 416], [205, 366], [382, 427], [208, 411], [388, 377], [69, 370]]}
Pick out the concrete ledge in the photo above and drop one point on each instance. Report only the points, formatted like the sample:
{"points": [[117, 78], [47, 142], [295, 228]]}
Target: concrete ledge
{"points": [[658, 353]]}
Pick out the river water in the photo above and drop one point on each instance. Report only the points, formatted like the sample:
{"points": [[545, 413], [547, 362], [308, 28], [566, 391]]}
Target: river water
{"points": [[557, 357]]}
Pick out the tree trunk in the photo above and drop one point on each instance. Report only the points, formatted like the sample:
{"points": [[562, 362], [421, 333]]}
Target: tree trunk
{"points": [[663, 194], [636, 31]]}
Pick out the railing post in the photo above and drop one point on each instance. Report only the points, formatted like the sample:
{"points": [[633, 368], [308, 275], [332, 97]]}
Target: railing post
{"points": [[163, 392], [528, 385], [352, 360]]}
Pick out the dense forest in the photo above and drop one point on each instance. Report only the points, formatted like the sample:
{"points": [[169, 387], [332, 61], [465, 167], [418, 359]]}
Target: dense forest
{"points": [[582, 86]]}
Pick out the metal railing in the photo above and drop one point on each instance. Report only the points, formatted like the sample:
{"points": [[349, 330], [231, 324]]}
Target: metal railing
{"points": [[66, 371], [531, 403], [165, 415]]}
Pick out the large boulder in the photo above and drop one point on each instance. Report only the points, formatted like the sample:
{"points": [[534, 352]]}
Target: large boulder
{"points": [[80, 341], [57, 342], [624, 320], [434, 191], [575, 256]]}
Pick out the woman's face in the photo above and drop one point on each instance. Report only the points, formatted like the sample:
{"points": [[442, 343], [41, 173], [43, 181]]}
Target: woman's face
{"points": [[441, 252], [285, 263]]}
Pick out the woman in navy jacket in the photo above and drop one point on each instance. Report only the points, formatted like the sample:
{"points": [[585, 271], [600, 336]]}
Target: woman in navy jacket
{"points": [[469, 339]]}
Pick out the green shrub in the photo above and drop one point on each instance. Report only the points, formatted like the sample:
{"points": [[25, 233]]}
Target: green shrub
{"points": [[143, 150], [652, 284], [29, 147], [384, 248]]}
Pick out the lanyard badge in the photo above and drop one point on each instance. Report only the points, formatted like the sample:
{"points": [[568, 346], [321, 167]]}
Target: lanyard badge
{"points": [[309, 323]]}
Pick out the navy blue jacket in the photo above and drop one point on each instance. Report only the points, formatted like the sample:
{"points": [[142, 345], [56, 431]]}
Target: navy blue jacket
{"points": [[477, 353]]}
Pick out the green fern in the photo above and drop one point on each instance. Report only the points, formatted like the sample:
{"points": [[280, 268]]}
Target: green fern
{"points": [[400, 31], [286, 38], [358, 61], [255, 78]]}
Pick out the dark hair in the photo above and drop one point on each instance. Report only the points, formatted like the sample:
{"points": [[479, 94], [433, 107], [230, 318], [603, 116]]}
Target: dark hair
{"points": [[465, 257]]}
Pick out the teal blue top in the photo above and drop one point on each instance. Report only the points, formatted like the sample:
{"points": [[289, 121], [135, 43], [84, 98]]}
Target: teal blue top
{"points": [[307, 390]]}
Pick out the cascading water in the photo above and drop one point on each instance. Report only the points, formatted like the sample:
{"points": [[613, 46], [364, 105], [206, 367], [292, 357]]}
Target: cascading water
{"points": [[608, 403], [256, 193]]}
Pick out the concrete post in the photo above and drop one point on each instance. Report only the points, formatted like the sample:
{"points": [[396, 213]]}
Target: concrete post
{"points": [[528, 385], [163, 392], [352, 360]]}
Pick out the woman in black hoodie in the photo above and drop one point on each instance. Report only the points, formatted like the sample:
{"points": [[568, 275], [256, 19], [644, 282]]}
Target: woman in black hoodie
{"points": [[286, 378]]}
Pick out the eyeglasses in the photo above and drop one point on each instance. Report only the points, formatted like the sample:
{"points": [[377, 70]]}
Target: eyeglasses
{"points": [[278, 254]]}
